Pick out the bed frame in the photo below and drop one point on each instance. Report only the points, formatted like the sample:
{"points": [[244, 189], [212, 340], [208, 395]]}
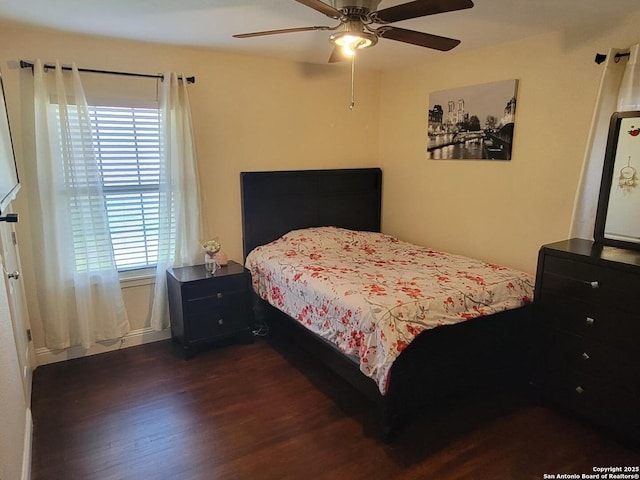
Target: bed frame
{"points": [[439, 363]]}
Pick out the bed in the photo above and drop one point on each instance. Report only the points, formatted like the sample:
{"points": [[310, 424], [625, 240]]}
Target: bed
{"points": [[406, 325]]}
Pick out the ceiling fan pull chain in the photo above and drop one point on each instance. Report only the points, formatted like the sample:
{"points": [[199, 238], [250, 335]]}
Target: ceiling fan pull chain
{"points": [[352, 105]]}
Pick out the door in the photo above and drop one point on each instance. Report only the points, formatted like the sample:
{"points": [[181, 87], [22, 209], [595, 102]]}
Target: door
{"points": [[15, 416], [17, 303]]}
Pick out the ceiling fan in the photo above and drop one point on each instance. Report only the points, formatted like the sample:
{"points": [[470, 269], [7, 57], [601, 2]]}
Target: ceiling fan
{"points": [[357, 17]]}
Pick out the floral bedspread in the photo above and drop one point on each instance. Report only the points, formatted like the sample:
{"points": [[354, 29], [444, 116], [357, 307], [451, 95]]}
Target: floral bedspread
{"points": [[371, 294]]}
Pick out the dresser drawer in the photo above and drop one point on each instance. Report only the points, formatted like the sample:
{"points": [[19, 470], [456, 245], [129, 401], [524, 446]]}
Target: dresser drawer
{"points": [[575, 354], [591, 321], [596, 399], [596, 284]]}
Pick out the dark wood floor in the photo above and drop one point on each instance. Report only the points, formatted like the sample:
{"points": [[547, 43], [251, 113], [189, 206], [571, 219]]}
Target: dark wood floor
{"points": [[265, 411]]}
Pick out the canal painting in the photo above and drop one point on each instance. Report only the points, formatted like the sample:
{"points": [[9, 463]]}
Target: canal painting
{"points": [[472, 123]]}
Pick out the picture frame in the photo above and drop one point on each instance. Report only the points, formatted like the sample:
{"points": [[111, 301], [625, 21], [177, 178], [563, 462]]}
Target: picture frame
{"points": [[618, 212], [476, 122]]}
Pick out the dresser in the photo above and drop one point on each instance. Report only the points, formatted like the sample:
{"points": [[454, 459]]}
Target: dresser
{"points": [[587, 310], [206, 306]]}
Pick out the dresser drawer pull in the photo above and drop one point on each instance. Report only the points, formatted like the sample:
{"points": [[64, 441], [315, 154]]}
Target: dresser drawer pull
{"points": [[590, 321], [585, 356], [579, 389], [593, 285], [219, 295], [220, 321]]}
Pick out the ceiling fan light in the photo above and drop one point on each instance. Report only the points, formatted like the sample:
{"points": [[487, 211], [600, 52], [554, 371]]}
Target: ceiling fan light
{"points": [[352, 41]]}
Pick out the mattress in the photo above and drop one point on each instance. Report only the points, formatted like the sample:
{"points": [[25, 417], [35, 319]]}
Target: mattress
{"points": [[371, 294]]}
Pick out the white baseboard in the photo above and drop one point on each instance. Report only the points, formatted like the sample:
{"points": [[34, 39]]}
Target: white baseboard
{"points": [[28, 441], [44, 355]]}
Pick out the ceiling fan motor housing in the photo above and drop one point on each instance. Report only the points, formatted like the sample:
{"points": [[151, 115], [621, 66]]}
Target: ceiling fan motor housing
{"points": [[356, 7]]}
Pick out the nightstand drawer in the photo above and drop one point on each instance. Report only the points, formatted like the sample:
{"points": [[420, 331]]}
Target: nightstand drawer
{"points": [[222, 286], [217, 323], [217, 301]]}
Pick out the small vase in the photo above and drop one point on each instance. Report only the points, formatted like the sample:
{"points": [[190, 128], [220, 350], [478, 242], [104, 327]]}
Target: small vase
{"points": [[221, 258], [210, 263]]}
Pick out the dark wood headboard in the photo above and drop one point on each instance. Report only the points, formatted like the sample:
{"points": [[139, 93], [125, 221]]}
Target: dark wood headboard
{"points": [[274, 203]]}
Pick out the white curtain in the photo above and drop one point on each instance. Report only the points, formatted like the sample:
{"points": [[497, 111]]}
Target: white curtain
{"points": [[619, 91], [180, 221], [77, 282]]}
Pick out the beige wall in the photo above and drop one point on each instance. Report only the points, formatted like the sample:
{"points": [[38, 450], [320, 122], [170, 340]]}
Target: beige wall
{"points": [[498, 211], [249, 113]]}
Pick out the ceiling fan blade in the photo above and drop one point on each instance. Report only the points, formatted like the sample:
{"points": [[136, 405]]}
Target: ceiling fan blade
{"points": [[443, 44], [284, 30], [338, 55], [419, 8], [322, 8]]}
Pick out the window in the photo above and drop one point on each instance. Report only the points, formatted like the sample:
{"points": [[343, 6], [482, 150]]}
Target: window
{"points": [[127, 146]]}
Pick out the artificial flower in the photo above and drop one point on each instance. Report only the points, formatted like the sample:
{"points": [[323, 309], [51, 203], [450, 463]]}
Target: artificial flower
{"points": [[211, 247]]}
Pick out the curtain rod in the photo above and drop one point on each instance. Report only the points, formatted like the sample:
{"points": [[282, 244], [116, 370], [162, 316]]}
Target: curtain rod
{"points": [[601, 57], [25, 64]]}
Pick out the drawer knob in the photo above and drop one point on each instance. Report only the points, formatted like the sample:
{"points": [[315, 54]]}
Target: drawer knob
{"points": [[590, 321], [579, 389], [220, 321], [219, 295], [585, 356], [594, 285]]}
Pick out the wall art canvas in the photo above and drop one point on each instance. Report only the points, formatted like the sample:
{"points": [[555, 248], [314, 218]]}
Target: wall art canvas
{"points": [[472, 123]]}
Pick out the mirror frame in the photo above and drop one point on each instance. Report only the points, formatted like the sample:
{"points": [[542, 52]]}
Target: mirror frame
{"points": [[608, 179], [8, 164]]}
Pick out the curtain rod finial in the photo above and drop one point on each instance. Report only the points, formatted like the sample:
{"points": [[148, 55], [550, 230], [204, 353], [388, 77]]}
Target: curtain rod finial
{"points": [[600, 57]]}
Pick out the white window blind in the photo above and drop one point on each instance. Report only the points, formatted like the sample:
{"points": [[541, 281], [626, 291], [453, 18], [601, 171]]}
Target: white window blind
{"points": [[127, 146]]}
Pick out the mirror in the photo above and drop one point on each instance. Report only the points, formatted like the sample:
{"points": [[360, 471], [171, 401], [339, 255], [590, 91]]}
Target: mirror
{"points": [[9, 184], [618, 214]]}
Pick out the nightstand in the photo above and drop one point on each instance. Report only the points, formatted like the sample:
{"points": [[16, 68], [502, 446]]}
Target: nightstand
{"points": [[206, 306]]}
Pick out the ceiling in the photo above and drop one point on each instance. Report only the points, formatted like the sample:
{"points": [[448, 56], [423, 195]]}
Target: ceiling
{"points": [[211, 23]]}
